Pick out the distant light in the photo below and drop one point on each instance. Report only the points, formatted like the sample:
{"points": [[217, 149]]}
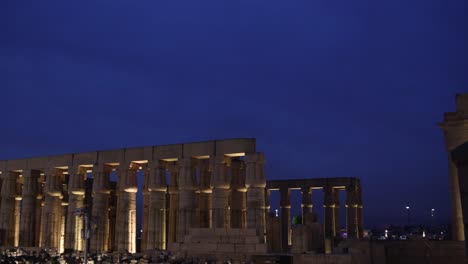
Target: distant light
{"points": [[424, 234], [276, 212], [407, 207], [386, 233], [141, 230]]}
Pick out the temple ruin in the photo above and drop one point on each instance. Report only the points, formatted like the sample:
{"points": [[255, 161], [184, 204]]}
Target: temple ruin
{"points": [[200, 197]]}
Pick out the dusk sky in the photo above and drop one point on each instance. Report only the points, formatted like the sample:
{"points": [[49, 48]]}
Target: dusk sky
{"points": [[329, 88]]}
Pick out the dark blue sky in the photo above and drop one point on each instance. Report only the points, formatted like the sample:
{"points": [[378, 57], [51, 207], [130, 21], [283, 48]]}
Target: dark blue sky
{"points": [[328, 88]]}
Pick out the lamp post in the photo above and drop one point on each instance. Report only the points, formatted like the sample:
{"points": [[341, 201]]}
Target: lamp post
{"points": [[408, 214]]}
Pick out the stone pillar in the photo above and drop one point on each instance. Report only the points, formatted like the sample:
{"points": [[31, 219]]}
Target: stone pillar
{"points": [[456, 134], [238, 195], [76, 193], [52, 212], [7, 209], [336, 210], [187, 203], [144, 219], [205, 194], [462, 171], [40, 202], [306, 204], [157, 187], [255, 182], [285, 205], [221, 192], [173, 203], [100, 211], [352, 212], [28, 209], [126, 208], [359, 214], [329, 206], [457, 214]]}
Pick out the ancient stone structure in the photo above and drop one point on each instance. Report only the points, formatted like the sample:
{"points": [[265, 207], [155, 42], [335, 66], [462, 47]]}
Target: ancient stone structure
{"points": [[331, 188], [213, 184], [198, 198], [455, 128]]}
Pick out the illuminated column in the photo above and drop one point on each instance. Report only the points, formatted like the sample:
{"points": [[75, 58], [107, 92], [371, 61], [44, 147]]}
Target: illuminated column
{"points": [[76, 192], [52, 212], [40, 209], [157, 187], [100, 212], [285, 205], [329, 205], [359, 211], [255, 182], [460, 156], [306, 203], [28, 209], [220, 194], [352, 212], [456, 134], [173, 203], [238, 196], [187, 201], [144, 219], [336, 210], [7, 209], [205, 194], [126, 214]]}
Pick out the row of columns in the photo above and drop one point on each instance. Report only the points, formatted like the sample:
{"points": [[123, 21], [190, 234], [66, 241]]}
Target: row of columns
{"points": [[220, 192], [331, 205]]}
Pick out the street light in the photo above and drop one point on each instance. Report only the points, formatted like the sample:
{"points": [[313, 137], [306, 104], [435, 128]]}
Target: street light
{"points": [[408, 213]]}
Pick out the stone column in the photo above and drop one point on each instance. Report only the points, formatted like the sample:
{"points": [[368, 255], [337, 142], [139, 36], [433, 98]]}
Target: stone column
{"points": [[28, 209], [285, 205], [76, 193], [173, 203], [255, 182], [144, 219], [52, 212], [360, 223], [157, 187], [187, 201], [40, 209], [352, 212], [462, 171], [7, 209], [457, 214], [238, 196], [100, 211], [306, 204], [221, 192], [205, 194], [329, 206], [126, 208], [336, 210]]}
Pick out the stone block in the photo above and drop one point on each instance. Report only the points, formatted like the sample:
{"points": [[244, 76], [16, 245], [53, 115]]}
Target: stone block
{"points": [[248, 232], [174, 247], [260, 248], [220, 231], [225, 248], [249, 248], [252, 240]]}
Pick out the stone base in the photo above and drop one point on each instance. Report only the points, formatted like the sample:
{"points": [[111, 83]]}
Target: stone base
{"points": [[222, 244]]}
